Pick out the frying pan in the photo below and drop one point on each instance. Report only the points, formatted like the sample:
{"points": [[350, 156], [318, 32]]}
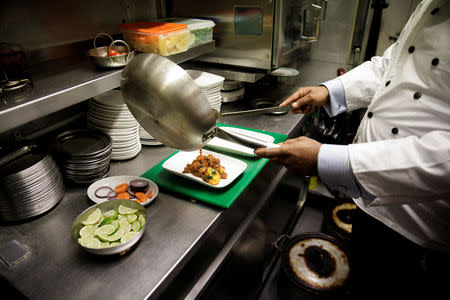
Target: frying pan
{"points": [[168, 103]]}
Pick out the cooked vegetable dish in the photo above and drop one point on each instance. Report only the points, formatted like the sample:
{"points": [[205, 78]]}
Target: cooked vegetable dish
{"points": [[206, 167]]}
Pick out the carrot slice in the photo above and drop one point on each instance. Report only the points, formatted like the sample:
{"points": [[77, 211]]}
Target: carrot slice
{"points": [[141, 196], [150, 194], [123, 196], [121, 188], [137, 200]]}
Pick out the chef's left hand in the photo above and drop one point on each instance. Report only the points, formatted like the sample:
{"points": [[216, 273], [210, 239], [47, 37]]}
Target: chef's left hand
{"points": [[299, 155]]}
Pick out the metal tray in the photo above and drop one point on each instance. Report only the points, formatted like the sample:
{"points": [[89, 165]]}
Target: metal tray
{"points": [[82, 144]]}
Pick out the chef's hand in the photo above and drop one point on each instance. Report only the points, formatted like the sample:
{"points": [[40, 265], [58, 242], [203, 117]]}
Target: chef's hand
{"points": [[299, 155], [305, 99]]}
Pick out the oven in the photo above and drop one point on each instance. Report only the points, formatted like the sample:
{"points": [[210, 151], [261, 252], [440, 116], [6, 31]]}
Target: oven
{"points": [[253, 33]]}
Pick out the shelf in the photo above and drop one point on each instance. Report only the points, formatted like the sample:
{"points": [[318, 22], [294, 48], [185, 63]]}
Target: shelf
{"points": [[64, 82]]}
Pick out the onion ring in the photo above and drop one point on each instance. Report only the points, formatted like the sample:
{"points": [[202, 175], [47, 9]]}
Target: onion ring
{"points": [[102, 192]]}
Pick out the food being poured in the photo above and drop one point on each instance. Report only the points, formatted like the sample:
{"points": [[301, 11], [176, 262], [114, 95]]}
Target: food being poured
{"points": [[206, 167]]}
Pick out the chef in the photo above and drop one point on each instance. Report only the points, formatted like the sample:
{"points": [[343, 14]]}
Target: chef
{"points": [[397, 169]]}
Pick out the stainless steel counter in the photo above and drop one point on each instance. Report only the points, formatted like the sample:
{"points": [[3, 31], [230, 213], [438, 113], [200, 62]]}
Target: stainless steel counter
{"points": [[176, 230]]}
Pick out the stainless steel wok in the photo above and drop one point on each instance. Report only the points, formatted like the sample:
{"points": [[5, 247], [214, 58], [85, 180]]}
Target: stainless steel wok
{"points": [[167, 102]]}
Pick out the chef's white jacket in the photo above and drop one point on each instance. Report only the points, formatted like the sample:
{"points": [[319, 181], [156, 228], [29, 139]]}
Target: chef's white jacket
{"points": [[401, 150]]}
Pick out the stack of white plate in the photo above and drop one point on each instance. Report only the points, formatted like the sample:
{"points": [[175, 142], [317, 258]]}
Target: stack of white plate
{"points": [[146, 138], [109, 113], [30, 184], [210, 84], [232, 91]]}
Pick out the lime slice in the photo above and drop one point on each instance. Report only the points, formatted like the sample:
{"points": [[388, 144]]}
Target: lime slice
{"points": [[111, 214], [116, 224], [122, 217], [94, 243], [141, 220], [107, 221], [125, 225], [99, 221], [111, 238], [114, 244], [105, 230], [87, 231], [93, 217], [83, 240], [136, 226], [132, 218], [105, 245], [125, 210], [128, 236]]}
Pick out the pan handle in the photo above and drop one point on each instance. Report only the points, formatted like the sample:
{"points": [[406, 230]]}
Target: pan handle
{"points": [[115, 42], [281, 241], [100, 34], [258, 111], [242, 139]]}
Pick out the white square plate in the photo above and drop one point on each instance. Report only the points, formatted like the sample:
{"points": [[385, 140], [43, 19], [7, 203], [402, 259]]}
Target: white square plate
{"points": [[233, 167]]}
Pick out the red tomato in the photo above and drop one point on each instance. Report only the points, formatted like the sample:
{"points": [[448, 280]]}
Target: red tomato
{"points": [[113, 52]]}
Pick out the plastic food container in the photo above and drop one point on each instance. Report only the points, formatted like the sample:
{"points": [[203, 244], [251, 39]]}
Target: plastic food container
{"points": [[156, 37], [201, 31]]}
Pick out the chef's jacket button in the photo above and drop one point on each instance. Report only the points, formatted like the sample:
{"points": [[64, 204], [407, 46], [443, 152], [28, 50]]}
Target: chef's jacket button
{"points": [[435, 61], [388, 82], [394, 130], [417, 95], [370, 114], [435, 11], [411, 49]]}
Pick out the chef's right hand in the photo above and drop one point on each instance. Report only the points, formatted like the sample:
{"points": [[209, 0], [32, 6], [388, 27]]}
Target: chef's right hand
{"points": [[305, 99]]}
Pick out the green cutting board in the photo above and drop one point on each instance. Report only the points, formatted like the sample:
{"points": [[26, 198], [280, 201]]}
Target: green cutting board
{"points": [[223, 197]]}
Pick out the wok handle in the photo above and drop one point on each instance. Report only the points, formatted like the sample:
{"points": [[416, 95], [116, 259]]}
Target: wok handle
{"points": [[243, 139], [258, 111]]}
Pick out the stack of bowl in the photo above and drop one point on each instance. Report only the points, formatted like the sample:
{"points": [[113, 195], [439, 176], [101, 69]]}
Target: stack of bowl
{"points": [[210, 84], [31, 183], [109, 114], [83, 155]]}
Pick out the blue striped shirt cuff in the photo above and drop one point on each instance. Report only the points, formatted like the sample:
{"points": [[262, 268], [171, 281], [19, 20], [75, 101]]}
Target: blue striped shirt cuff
{"points": [[337, 103], [336, 172]]}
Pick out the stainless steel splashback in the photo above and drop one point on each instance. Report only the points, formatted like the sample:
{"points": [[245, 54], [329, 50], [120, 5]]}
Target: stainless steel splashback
{"points": [[253, 33]]}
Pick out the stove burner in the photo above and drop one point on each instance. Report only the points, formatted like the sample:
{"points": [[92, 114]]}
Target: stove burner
{"points": [[9, 86]]}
